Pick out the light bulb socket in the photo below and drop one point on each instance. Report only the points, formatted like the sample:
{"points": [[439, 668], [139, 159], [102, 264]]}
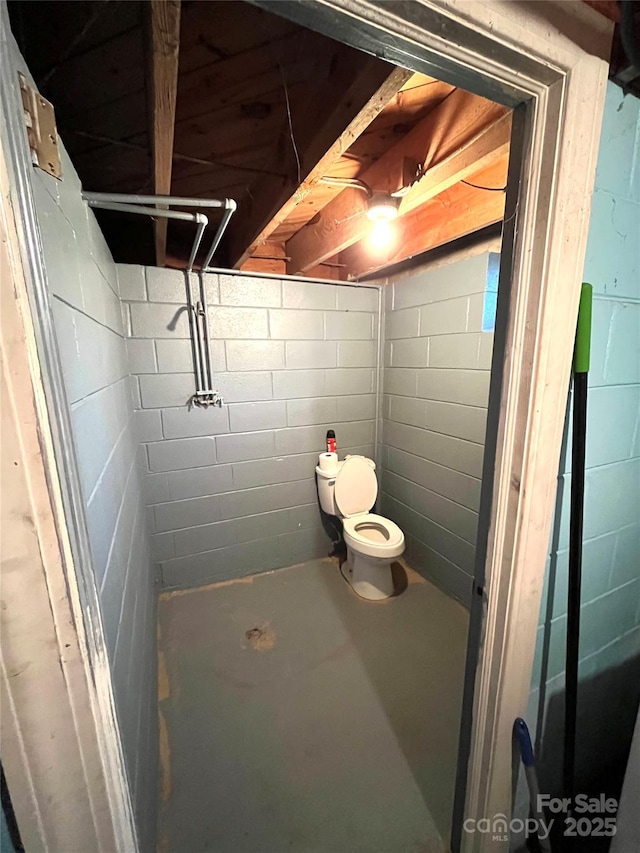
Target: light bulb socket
{"points": [[382, 207]]}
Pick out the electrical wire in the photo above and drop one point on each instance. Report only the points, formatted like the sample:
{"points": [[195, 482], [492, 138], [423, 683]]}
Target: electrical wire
{"points": [[352, 183], [266, 26], [489, 189], [293, 139]]}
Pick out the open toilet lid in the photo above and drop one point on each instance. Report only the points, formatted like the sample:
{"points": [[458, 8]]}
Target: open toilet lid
{"points": [[356, 486]]}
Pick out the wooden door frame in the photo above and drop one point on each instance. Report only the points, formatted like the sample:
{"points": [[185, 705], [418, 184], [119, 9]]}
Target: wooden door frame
{"points": [[59, 751], [549, 61], [61, 747], [551, 57]]}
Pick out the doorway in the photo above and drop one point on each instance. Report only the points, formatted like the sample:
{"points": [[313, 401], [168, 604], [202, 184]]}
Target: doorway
{"points": [[507, 319]]}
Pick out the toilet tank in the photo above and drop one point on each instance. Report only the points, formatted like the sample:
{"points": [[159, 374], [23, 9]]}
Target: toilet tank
{"points": [[326, 480]]}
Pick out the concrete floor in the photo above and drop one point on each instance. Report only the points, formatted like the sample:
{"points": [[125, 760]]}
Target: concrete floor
{"points": [[295, 716]]}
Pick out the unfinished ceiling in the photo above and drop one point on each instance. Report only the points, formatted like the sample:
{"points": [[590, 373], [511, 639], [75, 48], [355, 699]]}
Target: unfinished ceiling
{"points": [[222, 99]]}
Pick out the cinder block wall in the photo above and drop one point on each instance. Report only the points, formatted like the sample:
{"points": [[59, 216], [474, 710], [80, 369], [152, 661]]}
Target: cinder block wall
{"points": [[610, 616], [88, 322], [231, 491], [436, 388]]}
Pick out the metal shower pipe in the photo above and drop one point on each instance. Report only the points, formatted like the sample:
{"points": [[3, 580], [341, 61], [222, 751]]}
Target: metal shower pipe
{"points": [[228, 213], [197, 240], [196, 342], [135, 203], [198, 309], [123, 207], [134, 198]]}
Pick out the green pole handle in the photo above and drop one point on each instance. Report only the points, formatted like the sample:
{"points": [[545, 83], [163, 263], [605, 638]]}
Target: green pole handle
{"points": [[582, 350]]}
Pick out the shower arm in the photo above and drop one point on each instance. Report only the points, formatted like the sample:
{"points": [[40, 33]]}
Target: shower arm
{"points": [[204, 395], [134, 203]]}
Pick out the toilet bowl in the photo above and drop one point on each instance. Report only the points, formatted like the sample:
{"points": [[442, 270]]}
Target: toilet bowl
{"points": [[373, 542], [348, 491]]}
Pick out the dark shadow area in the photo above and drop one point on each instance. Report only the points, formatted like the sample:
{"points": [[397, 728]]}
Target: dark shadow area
{"points": [[400, 579], [132, 235], [10, 825], [554, 546], [607, 710], [548, 612], [332, 526]]}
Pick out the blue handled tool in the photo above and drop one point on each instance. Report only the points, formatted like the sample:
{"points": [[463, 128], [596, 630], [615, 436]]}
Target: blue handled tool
{"points": [[521, 733]]}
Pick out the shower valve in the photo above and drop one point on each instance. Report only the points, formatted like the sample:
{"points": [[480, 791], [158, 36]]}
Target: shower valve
{"points": [[205, 399]]}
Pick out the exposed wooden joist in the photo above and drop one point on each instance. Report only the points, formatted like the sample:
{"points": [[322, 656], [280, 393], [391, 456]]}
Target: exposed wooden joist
{"points": [[333, 271], [483, 149], [264, 266], [354, 97], [463, 134], [165, 44], [269, 258], [458, 211]]}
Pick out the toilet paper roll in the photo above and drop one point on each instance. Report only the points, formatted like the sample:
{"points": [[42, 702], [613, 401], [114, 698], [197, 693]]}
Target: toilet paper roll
{"points": [[328, 461]]}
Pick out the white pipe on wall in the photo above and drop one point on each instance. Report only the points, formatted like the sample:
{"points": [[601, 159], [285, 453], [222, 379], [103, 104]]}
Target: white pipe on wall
{"points": [[133, 198], [223, 227], [198, 310], [106, 204]]}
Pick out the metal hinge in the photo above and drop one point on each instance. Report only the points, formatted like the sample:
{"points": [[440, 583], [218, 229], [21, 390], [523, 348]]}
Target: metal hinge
{"points": [[40, 120]]}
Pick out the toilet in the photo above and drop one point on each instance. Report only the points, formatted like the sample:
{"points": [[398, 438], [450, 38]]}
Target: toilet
{"points": [[348, 490]]}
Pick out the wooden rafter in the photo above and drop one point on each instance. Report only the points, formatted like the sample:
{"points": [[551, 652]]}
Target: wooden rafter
{"points": [[462, 135], [165, 45], [456, 212], [268, 258], [483, 149], [357, 97]]}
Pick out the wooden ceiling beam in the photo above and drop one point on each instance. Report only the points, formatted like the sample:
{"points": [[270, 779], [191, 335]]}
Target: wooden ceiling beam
{"points": [[352, 99], [165, 45], [333, 272], [269, 258], [484, 148], [460, 136], [458, 211]]}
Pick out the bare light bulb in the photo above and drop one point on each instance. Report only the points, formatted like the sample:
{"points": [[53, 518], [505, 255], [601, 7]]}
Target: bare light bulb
{"points": [[382, 235]]}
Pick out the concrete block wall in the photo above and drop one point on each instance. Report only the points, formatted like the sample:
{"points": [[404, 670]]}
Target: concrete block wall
{"points": [[610, 614], [88, 322], [231, 491], [611, 572], [436, 388]]}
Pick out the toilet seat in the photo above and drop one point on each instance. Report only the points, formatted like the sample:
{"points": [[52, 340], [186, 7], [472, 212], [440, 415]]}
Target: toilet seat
{"points": [[356, 487], [373, 535]]}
